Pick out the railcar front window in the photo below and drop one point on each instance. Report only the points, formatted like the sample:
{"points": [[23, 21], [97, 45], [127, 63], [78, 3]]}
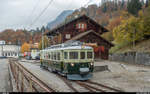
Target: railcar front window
{"points": [[65, 55], [82, 55], [73, 55], [89, 55]]}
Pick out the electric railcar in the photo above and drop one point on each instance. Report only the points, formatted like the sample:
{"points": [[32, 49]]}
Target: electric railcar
{"points": [[72, 60]]}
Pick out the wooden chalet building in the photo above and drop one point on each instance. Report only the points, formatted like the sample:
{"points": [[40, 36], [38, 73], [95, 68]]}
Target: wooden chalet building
{"points": [[83, 29]]}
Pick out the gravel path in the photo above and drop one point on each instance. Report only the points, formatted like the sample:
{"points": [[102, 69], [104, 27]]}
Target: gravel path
{"points": [[48, 77], [128, 78], [4, 76], [123, 76]]}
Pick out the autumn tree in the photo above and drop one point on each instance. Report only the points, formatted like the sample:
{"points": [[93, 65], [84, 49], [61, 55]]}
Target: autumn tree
{"points": [[113, 23], [25, 47], [134, 6], [46, 42], [147, 3], [130, 30], [146, 22]]}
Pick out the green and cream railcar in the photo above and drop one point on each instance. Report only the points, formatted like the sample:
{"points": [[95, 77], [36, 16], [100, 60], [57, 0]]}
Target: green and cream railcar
{"points": [[75, 61]]}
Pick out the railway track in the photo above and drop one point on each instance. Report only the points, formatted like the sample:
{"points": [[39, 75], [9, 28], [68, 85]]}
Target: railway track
{"points": [[97, 87], [39, 80], [88, 85], [34, 83], [104, 86]]}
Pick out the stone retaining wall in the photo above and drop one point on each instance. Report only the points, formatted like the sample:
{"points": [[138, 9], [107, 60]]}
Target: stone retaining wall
{"points": [[132, 57], [101, 68]]}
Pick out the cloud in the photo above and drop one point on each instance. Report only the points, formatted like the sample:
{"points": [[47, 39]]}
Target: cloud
{"points": [[16, 14]]}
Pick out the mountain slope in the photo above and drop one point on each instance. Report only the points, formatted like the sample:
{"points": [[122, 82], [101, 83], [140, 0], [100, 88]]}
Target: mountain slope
{"points": [[60, 18]]}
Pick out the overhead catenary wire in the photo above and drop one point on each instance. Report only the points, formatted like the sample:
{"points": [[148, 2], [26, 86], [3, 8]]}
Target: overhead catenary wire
{"points": [[68, 6], [87, 3], [41, 13], [33, 10]]}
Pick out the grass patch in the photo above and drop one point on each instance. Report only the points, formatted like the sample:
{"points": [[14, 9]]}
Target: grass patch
{"points": [[141, 46]]}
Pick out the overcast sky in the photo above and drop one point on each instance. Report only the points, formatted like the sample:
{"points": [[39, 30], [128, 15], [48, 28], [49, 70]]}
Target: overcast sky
{"points": [[16, 14]]}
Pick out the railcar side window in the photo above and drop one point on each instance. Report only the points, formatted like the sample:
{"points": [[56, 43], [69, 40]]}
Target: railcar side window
{"points": [[46, 55], [73, 55], [58, 56], [49, 56], [65, 55], [54, 55], [82, 55], [89, 55]]}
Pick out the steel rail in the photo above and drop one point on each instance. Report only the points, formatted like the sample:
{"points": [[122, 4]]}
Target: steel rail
{"points": [[40, 81], [98, 84], [67, 83], [97, 89], [85, 86], [12, 69], [28, 77]]}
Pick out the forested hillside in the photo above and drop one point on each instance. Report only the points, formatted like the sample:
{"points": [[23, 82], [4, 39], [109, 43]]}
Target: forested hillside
{"points": [[127, 20], [20, 36]]}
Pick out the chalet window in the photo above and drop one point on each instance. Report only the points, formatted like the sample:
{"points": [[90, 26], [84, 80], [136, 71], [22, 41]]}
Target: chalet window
{"points": [[82, 26], [79, 26], [67, 36]]}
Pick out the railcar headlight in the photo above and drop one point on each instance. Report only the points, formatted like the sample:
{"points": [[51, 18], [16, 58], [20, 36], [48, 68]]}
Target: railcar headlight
{"points": [[91, 63], [72, 64]]}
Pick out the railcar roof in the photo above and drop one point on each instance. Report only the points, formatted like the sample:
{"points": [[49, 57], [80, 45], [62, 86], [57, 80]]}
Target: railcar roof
{"points": [[70, 48]]}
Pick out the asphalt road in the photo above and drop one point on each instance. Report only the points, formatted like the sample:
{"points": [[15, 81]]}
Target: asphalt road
{"points": [[4, 76]]}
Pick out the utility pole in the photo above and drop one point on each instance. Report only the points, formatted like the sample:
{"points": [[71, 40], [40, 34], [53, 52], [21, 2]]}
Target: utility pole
{"points": [[42, 38], [2, 50], [41, 57], [18, 48], [134, 38]]}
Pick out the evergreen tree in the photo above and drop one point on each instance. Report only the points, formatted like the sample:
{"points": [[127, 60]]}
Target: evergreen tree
{"points": [[147, 2], [134, 6], [142, 2], [122, 4], [43, 29], [104, 9], [37, 29], [116, 4]]}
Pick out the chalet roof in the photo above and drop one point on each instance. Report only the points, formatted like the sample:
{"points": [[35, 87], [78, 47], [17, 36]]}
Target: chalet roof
{"points": [[55, 30], [87, 32]]}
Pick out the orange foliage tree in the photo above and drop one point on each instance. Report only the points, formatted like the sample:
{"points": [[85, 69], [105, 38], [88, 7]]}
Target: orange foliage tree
{"points": [[25, 47]]}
